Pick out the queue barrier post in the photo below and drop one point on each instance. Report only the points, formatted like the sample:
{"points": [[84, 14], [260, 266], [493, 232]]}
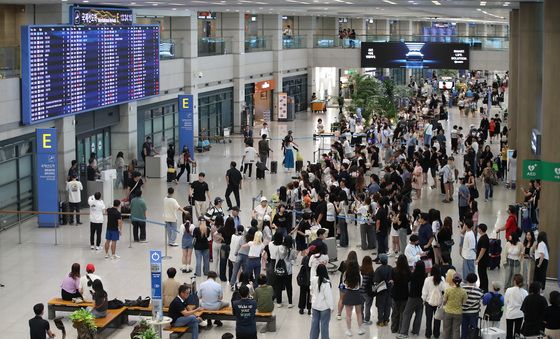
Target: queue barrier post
{"points": [[130, 235]]}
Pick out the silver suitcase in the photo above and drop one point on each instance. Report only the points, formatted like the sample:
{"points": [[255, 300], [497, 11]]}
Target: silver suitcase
{"points": [[493, 333]]}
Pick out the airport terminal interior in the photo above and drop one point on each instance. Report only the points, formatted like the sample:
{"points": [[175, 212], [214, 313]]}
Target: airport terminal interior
{"points": [[354, 116]]}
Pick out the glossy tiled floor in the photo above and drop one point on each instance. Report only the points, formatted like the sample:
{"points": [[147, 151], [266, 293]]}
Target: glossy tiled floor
{"points": [[32, 271]]}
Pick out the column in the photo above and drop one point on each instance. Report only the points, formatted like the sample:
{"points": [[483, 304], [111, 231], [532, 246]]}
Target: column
{"points": [[307, 27], [185, 33], [273, 28], [124, 136], [66, 144], [359, 25], [513, 78], [233, 28], [549, 211], [405, 29], [382, 27], [462, 29], [530, 89]]}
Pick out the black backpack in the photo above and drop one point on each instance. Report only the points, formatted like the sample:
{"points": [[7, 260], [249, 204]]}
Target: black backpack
{"points": [[303, 277], [280, 269], [494, 310]]}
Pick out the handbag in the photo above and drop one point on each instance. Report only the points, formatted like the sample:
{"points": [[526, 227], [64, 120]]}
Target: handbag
{"points": [[439, 313]]}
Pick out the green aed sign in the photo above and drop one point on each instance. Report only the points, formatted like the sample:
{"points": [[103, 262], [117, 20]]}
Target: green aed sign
{"points": [[532, 169], [551, 171]]}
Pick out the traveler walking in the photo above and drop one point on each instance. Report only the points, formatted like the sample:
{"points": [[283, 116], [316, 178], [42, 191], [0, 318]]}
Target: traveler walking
{"points": [[234, 181], [199, 195], [185, 161], [96, 209], [170, 208]]}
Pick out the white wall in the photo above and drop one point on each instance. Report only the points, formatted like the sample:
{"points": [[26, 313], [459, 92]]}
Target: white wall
{"points": [[293, 58]]}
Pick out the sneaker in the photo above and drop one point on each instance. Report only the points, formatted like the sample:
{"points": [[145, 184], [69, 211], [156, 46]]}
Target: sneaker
{"points": [[309, 312], [115, 256], [97, 248], [348, 333], [279, 305], [184, 270], [173, 244], [106, 255], [300, 311], [338, 317], [144, 241], [361, 331], [290, 305], [385, 323], [92, 247], [369, 322], [218, 323], [203, 323], [79, 223]]}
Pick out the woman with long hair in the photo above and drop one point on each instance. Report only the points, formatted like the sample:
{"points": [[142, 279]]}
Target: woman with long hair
{"points": [[541, 259], [201, 248], [288, 254], [352, 298], [414, 302], [100, 299], [367, 230], [528, 263], [435, 219], [352, 256], [399, 292], [432, 295], [366, 288], [321, 303], [226, 232], [254, 260], [417, 180], [187, 242], [185, 161], [445, 239], [514, 256], [70, 287]]}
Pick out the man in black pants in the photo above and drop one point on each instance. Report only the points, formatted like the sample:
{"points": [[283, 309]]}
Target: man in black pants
{"points": [[233, 180], [147, 148], [74, 189], [482, 256]]}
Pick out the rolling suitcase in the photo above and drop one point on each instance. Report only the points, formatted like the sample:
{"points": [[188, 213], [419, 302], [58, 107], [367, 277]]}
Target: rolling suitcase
{"points": [[261, 168], [171, 174], [491, 332], [273, 166]]}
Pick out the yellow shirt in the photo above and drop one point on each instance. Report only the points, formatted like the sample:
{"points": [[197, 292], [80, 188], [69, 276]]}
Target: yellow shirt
{"points": [[456, 297]]}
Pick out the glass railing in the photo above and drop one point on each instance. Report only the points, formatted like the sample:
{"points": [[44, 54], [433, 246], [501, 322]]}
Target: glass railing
{"points": [[168, 49], [293, 42], [258, 44], [9, 62], [214, 46], [476, 42]]}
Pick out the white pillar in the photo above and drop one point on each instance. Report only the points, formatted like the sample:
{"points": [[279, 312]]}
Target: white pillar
{"points": [[382, 27], [233, 28], [307, 27], [124, 135], [405, 28], [66, 145], [273, 28]]}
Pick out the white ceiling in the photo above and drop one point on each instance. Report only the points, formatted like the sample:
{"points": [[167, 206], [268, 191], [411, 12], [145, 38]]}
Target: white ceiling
{"points": [[456, 10]]}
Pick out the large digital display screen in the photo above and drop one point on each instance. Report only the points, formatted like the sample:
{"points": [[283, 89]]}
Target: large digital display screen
{"points": [[432, 55], [92, 16], [72, 69]]}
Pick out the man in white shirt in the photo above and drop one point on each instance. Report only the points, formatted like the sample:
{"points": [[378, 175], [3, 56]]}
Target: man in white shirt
{"points": [[170, 208], [261, 210], [211, 295], [428, 133], [265, 130], [74, 189], [468, 250], [96, 208], [248, 159], [86, 281], [413, 252]]}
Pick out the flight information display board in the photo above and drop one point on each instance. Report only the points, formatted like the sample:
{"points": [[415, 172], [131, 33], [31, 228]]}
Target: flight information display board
{"points": [[72, 69]]}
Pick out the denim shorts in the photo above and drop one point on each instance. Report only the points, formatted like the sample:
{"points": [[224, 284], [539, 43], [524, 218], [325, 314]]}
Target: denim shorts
{"points": [[112, 235]]}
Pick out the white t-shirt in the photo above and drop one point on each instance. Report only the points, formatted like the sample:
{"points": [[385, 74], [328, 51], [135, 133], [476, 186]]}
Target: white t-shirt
{"points": [[96, 208], [513, 299], [84, 288], [331, 212], [265, 131], [255, 249], [260, 211], [74, 189], [468, 250], [250, 154], [170, 207], [428, 130], [541, 248]]}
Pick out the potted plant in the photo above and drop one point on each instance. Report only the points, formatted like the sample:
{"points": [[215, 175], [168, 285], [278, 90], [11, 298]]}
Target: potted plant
{"points": [[148, 333], [84, 322], [139, 328]]}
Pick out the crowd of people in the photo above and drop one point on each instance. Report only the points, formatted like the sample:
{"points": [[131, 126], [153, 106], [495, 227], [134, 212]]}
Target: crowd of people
{"points": [[372, 177]]}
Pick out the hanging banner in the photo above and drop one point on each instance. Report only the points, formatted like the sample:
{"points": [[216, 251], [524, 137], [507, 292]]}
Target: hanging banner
{"points": [[282, 106], [532, 169], [186, 123], [155, 279], [47, 177]]}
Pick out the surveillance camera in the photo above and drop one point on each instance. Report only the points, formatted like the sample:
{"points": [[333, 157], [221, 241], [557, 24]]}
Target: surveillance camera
{"points": [[200, 75]]}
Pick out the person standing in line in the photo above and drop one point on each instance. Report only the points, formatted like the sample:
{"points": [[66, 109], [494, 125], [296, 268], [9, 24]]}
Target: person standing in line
{"points": [[414, 302], [187, 242], [352, 298], [471, 308], [534, 308], [514, 256], [248, 159], [513, 299], [551, 319], [96, 208], [383, 274], [432, 295], [74, 189], [199, 193], [120, 167], [254, 256], [201, 247], [453, 299], [468, 250], [138, 214], [114, 229], [39, 328], [303, 280], [322, 303], [245, 311], [287, 253], [482, 256], [366, 288], [494, 302], [264, 150], [399, 292], [234, 181], [541, 258], [170, 208]]}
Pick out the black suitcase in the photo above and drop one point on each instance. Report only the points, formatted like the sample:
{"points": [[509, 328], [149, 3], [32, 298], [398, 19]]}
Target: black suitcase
{"points": [[299, 165], [260, 173], [63, 206], [273, 166], [495, 253]]}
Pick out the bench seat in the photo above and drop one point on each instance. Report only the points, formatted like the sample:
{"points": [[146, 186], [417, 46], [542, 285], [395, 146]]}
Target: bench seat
{"points": [[57, 304], [227, 314], [178, 332], [113, 319]]}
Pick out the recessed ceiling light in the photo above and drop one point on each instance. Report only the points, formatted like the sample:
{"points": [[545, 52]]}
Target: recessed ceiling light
{"points": [[437, 3], [478, 9], [174, 9], [483, 3], [63, 0], [133, 3], [86, 1], [389, 2], [506, 3]]}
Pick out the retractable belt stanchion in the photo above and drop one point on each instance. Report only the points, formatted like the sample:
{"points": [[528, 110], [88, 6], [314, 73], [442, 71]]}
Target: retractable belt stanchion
{"points": [[19, 227], [130, 234]]}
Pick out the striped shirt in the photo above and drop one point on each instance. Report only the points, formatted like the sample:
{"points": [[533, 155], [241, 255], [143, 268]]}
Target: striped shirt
{"points": [[474, 295]]}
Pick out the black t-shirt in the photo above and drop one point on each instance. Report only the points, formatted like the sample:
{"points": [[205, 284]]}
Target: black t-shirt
{"points": [[113, 217], [175, 308], [90, 173], [244, 311], [135, 187], [322, 209], [533, 307], [234, 177], [201, 240], [146, 149], [38, 327], [483, 242], [551, 317], [282, 220], [199, 190], [383, 218]]}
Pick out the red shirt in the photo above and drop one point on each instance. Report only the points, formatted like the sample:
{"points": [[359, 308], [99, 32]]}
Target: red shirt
{"points": [[511, 225]]}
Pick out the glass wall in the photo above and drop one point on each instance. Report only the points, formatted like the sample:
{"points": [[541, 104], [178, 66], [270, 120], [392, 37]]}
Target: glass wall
{"points": [[249, 90], [169, 46], [16, 177], [160, 122], [296, 87], [215, 111], [11, 18]]}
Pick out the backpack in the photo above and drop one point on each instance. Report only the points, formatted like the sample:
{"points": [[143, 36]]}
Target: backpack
{"points": [[303, 277], [280, 269], [115, 304], [494, 309]]}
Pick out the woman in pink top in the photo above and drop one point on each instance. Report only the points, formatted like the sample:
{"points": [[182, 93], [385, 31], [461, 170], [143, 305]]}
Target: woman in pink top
{"points": [[71, 284], [417, 179]]}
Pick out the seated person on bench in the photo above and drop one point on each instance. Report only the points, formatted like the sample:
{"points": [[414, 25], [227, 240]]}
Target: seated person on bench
{"points": [[179, 313], [100, 299], [211, 295], [170, 287], [71, 284]]}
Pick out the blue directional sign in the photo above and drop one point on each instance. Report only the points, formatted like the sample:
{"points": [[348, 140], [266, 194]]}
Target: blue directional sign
{"points": [[47, 177], [186, 126]]}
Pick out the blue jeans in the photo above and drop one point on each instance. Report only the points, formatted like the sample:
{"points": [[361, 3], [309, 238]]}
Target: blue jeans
{"points": [[469, 320], [254, 266], [468, 267], [427, 139], [320, 323], [241, 263], [488, 191], [171, 228], [191, 322], [200, 256]]}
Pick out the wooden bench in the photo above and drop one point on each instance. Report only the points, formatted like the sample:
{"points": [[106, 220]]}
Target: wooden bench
{"points": [[57, 304], [178, 332], [113, 319], [227, 314]]}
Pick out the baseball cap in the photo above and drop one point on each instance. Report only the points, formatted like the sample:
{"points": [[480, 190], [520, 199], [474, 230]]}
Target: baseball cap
{"points": [[218, 200], [90, 268], [264, 199]]}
